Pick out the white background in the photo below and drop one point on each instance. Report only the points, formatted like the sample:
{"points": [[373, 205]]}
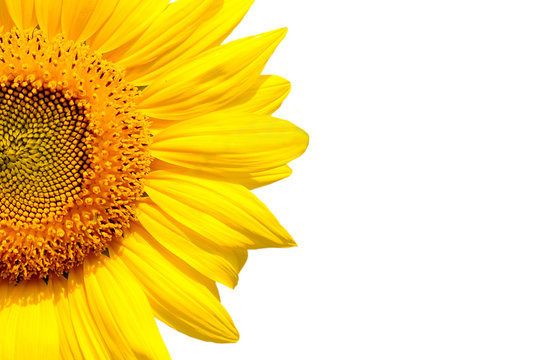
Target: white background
{"points": [[417, 205]]}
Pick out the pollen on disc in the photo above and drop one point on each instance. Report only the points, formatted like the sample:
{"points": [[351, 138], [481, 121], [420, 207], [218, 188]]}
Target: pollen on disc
{"points": [[73, 153]]}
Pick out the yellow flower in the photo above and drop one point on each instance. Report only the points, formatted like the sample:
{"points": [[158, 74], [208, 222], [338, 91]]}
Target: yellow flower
{"points": [[129, 141]]}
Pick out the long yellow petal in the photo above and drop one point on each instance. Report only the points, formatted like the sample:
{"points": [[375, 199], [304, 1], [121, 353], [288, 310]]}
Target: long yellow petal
{"points": [[128, 20], [28, 321], [264, 97], [169, 29], [225, 142], [22, 12], [215, 28], [121, 310], [219, 264], [69, 346], [180, 296], [49, 14], [249, 180], [211, 80], [226, 213], [80, 337], [81, 19]]}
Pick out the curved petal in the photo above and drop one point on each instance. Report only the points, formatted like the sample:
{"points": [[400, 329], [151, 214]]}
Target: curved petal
{"points": [[180, 296], [212, 79], [128, 20], [121, 310], [22, 12], [169, 29], [29, 327], [81, 19], [49, 14], [215, 28], [226, 213], [218, 264], [224, 142]]}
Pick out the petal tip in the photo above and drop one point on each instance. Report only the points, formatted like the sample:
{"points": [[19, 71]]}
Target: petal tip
{"points": [[280, 33], [233, 337], [273, 36], [302, 141]]}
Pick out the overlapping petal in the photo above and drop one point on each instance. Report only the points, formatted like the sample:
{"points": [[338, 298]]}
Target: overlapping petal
{"points": [[104, 24], [49, 15], [225, 213], [6, 22], [263, 178], [180, 296], [210, 33], [115, 299], [210, 80], [263, 97], [171, 28], [217, 263], [28, 321], [82, 19], [127, 21], [21, 12], [224, 142], [249, 180], [80, 336]]}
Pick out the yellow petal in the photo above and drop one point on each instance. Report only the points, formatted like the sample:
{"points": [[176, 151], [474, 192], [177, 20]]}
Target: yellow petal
{"points": [[180, 296], [169, 29], [80, 337], [121, 310], [5, 19], [219, 264], [129, 19], [81, 19], [264, 97], [225, 142], [22, 12], [29, 327], [211, 80], [249, 180], [225, 213], [255, 180], [49, 13], [215, 28]]}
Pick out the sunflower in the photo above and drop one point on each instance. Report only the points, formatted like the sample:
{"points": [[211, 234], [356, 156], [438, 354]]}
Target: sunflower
{"points": [[130, 139]]}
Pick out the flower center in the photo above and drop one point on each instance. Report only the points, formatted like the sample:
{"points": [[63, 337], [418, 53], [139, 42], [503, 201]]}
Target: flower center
{"points": [[42, 152], [73, 153]]}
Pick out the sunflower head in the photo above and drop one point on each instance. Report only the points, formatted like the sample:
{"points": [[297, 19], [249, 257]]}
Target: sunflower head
{"points": [[130, 139]]}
